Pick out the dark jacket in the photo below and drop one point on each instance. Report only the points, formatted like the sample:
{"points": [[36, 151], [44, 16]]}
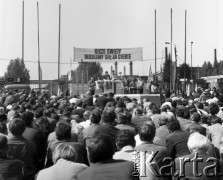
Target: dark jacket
{"points": [[38, 138], [24, 150], [177, 144], [101, 101], [139, 120], [111, 169], [12, 169]]}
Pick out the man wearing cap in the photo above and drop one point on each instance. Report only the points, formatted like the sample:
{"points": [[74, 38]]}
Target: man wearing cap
{"points": [[10, 168]]}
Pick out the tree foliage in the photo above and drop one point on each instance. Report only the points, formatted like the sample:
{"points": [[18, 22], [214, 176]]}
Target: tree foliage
{"points": [[90, 69], [166, 70], [187, 69], [17, 69], [207, 69]]}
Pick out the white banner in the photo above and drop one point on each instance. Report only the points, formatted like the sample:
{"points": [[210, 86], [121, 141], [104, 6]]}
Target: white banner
{"points": [[107, 55]]}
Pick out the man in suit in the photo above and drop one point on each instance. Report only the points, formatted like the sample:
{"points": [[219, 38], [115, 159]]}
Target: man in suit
{"points": [[140, 85], [37, 136], [101, 101], [92, 129], [147, 134], [177, 141], [184, 123], [88, 100], [21, 148], [79, 110], [138, 118], [161, 132], [10, 168], [107, 127], [102, 166]]}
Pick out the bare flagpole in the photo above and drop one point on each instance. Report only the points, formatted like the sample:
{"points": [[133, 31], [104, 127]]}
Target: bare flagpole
{"points": [[185, 50], [171, 44], [59, 47], [39, 71], [155, 45], [23, 30]]}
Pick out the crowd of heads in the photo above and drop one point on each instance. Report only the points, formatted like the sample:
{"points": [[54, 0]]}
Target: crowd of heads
{"points": [[22, 109]]}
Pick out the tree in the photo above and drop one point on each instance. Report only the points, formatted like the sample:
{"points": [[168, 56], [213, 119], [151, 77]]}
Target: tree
{"points": [[166, 70], [209, 68], [17, 69], [90, 69], [220, 67], [187, 69], [203, 70], [215, 68]]}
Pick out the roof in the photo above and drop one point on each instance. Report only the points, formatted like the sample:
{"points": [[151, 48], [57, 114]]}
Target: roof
{"points": [[17, 86]]}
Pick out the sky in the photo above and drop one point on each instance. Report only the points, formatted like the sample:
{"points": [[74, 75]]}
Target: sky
{"points": [[109, 24]]}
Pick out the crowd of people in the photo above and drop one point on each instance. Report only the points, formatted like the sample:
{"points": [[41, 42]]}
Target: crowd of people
{"points": [[97, 137], [129, 84]]}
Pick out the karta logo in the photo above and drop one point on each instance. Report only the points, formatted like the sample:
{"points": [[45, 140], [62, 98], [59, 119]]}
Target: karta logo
{"points": [[145, 163]]}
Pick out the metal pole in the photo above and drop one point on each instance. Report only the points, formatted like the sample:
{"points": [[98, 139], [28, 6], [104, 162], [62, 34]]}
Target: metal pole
{"points": [[116, 68], [59, 45], [175, 50], [39, 71], [155, 45], [87, 73], [77, 79], [23, 30], [191, 62], [171, 44], [185, 50], [130, 68], [82, 68]]}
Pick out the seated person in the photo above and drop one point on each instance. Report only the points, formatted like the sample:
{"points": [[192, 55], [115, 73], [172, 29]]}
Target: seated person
{"points": [[100, 152], [198, 145], [125, 144], [10, 168], [65, 165]]}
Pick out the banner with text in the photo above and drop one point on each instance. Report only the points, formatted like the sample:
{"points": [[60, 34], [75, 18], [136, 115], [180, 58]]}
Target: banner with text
{"points": [[107, 55]]}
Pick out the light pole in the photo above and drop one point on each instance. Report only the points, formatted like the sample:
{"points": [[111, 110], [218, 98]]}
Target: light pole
{"points": [[191, 61]]}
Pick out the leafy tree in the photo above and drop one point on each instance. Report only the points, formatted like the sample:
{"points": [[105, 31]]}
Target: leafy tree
{"points": [[166, 70], [209, 68], [203, 70], [17, 69], [215, 68], [187, 69], [220, 67], [90, 69]]}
